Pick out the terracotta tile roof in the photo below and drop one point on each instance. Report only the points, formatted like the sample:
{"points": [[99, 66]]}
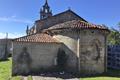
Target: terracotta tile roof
{"points": [[40, 37], [78, 24]]}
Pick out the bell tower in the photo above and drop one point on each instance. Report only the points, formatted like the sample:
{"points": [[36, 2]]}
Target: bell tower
{"points": [[45, 11]]}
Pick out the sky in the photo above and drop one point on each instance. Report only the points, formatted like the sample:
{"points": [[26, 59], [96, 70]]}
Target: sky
{"points": [[15, 15]]}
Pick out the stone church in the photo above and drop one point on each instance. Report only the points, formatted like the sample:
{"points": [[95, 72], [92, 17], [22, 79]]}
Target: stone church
{"points": [[65, 40]]}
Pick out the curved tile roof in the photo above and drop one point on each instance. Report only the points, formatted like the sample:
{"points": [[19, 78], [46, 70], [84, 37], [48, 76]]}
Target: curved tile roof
{"points": [[78, 24], [40, 37]]}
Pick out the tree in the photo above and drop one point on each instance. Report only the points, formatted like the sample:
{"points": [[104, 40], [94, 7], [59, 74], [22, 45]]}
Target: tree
{"points": [[114, 37], [119, 26]]}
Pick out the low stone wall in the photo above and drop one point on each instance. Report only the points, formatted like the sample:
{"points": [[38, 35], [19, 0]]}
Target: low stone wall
{"points": [[5, 44]]}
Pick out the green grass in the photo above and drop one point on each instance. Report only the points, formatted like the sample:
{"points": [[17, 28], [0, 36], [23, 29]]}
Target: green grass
{"points": [[5, 69], [6, 66], [100, 78], [16, 78], [30, 78]]}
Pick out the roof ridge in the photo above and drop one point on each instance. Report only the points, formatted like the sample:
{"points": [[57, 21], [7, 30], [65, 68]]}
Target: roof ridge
{"points": [[76, 24], [39, 37], [69, 10]]}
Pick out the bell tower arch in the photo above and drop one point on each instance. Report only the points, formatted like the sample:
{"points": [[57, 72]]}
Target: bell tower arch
{"points": [[45, 11]]}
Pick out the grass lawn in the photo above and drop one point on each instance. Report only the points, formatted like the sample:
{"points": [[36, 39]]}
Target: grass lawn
{"points": [[5, 70], [6, 66], [100, 78]]}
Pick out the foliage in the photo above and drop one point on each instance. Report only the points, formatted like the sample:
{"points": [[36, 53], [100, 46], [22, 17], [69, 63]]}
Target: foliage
{"points": [[114, 37], [119, 26]]}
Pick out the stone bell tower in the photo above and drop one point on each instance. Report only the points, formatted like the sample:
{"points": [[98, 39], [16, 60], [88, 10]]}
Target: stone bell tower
{"points": [[45, 11]]}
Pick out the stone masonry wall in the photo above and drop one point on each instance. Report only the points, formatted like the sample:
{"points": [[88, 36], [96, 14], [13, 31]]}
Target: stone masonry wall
{"points": [[46, 23], [3, 45], [88, 57], [39, 56], [92, 52], [91, 57], [70, 48]]}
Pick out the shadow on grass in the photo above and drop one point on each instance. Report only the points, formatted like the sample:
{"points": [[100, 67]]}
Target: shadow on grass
{"points": [[2, 60]]}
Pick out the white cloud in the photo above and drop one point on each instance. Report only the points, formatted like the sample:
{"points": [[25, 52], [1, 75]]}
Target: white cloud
{"points": [[13, 16], [14, 19], [11, 35], [3, 19]]}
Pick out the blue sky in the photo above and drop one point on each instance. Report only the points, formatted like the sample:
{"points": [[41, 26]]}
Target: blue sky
{"points": [[15, 15]]}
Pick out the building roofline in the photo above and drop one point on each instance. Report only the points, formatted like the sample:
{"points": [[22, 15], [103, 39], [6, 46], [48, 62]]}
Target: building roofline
{"points": [[37, 37], [69, 10], [77, 24]]}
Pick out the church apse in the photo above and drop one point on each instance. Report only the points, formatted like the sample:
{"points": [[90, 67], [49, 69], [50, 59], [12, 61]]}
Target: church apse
{"points": [[92, 55], [83, 43]]}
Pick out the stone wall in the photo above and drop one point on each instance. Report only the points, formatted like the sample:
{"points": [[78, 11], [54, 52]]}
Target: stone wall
{"points": [[86, 50], [37, 57], [92, 51], [69, 39], [60, 18], [3, 44]]}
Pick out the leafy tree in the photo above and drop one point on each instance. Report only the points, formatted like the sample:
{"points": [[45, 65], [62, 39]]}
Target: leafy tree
{"points": [[114, 37], [119, 26]]}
